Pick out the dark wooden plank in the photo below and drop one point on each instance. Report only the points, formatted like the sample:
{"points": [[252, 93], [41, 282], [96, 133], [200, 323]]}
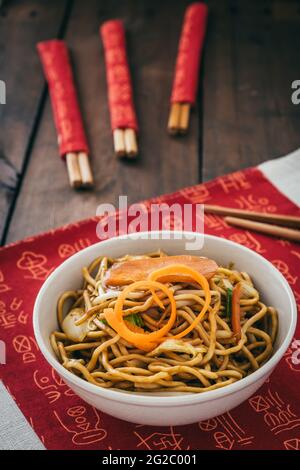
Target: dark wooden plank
{"points": [[164, 165], [22, 24], [250, 65]]}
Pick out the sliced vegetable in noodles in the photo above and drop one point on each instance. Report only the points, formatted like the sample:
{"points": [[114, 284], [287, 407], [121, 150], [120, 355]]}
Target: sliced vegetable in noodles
{"points": [[229, 303]]}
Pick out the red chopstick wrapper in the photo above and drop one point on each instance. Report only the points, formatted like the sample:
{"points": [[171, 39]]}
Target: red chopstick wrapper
{"points": [[189, 54], [55, 58], [120, 95]]}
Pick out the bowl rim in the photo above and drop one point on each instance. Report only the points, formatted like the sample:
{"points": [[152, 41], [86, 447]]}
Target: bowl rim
{"points": [[134, 398]]}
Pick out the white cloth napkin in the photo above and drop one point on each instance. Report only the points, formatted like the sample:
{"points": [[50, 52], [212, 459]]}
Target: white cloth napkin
{"points": [[284, 173]]}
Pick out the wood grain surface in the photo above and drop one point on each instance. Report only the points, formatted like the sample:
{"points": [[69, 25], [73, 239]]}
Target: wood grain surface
{"points": [[22, 24]]}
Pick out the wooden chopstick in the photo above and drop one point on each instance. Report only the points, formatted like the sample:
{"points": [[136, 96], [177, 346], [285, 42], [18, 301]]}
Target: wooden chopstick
{"points": [[268, 229], [73, 170], [130, 143], [280, 219], [184, 118], [174, 116], [119, 142], [125, 142], [79, 170], [85, 170], [179, 118]]}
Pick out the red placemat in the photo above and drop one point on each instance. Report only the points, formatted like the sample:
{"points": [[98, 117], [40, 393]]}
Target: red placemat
{"points": [[268, 420]]}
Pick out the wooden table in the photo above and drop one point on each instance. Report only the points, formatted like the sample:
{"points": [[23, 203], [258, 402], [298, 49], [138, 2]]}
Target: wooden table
{"points": [[244, 113]]}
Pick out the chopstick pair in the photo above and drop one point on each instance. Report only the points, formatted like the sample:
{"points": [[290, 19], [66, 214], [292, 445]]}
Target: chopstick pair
{"points": [[72, 142], [79, 170], [125, 142], [179, 118], [120, 94], [265, 223], [184, 91]]}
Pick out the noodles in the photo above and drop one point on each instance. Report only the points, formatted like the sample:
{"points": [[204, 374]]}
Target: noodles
{"points": [[175, 330]]}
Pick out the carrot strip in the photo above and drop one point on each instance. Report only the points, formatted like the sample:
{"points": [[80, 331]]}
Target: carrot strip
{"points": [[133, 327], [236, 311], [144, 341], [194, 275], [148, 341]]}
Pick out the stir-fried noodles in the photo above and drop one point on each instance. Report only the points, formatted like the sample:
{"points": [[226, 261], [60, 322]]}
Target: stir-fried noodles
{"points": [[155, 323]]}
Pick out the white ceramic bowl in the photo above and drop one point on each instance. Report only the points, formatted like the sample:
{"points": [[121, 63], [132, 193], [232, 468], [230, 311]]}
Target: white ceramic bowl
{"points": [[173, 409]]}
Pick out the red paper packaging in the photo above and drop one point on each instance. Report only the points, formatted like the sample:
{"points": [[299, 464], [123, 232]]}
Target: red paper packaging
{"points": [[120, 95], [57, 68], [189, 54]]}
